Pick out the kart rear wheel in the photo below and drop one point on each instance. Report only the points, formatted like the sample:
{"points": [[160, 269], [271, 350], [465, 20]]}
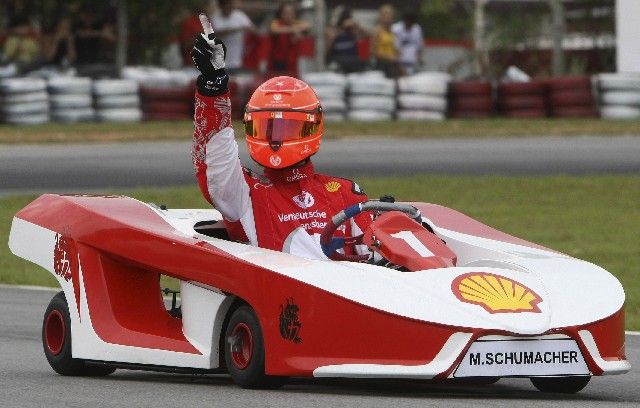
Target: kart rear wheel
{"points": [[244, 351], [56, 342], [563, 385]]}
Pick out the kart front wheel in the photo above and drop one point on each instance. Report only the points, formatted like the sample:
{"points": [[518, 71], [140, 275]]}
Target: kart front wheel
{"points": [[244, 351], [563, 385], [56, 341]]}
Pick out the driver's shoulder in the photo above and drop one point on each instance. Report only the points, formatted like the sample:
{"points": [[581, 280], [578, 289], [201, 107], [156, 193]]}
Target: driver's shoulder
{"points": [[339, 184]]}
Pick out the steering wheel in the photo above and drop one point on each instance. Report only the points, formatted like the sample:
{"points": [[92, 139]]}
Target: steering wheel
{"points": [[331, 244]]}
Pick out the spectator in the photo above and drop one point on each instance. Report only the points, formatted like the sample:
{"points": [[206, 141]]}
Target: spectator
{"points": [[286, 30], [384, 43], [230, 24], [409, 41], [91, 37], [189, 28], [342, 41], [59, 44], [21, 45]]}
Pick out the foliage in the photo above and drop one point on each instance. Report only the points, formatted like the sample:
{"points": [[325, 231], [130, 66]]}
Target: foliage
{"points": [[445, 19]]}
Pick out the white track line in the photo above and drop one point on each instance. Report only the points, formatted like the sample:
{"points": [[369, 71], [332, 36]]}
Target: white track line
{"points": [[25, 287]]}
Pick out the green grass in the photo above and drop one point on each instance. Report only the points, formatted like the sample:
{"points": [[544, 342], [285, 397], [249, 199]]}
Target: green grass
{"points": [[592, 218], [182, 130]]}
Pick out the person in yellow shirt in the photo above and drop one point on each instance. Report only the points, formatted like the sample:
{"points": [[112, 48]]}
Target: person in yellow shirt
{"points": [[384, 44], [20, 45]]}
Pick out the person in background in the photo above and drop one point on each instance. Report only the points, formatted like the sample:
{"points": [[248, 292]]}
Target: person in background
{"points": [[21, 45], [59, 44], [189, 29], [384, 43], [342, 41], [230, 24], [286, 30], [409, 41], [91, 36]]}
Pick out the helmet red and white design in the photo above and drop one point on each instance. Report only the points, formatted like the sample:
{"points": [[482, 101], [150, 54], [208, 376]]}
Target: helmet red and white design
{"points": [[283, 122]]}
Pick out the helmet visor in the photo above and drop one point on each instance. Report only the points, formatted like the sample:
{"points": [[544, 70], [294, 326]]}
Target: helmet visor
{"points": [[281, 126]]}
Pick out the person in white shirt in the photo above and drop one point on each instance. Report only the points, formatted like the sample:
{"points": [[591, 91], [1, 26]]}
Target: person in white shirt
{"points": [[409, 41], [230, 24]]}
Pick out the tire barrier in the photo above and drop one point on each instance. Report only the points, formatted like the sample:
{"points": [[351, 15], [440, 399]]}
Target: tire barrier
{"points": [[168, 94], [423, 96], [71, 99], [331, 90], [172, 103], [24, 101], [117, 100], [571, 96], [158, 94], [372, 96], [367, 115], [471, 100], [523, 99], [619, 96], [8, 71]]}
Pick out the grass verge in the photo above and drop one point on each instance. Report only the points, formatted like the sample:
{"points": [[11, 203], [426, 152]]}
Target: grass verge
{"points": [[182, 130], [592, 218]]}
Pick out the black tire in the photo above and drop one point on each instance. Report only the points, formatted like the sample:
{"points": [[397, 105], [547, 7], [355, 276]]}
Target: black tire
{"points": [[56, 342], [562, 385], [244, 351]]}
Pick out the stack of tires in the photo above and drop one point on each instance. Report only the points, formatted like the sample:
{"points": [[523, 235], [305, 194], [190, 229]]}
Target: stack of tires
{"points": [[423, 96], [371, 96], [619, 96], [330, 88], [71, 100], [117, 100], [167, 103], [571, 97], [523, 99], [165, 94], [471, 99], [24, 101]]}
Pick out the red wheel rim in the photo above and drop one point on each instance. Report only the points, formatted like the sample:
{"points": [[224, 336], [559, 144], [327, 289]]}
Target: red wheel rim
{"points": [[241, 342], [54, 332]]}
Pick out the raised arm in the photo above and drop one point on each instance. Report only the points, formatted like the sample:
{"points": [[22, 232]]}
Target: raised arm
{"points": [[215, 151]]}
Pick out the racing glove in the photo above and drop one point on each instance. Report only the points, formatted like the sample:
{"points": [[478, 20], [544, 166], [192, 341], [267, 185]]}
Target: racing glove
{"points": [[208, 56]]}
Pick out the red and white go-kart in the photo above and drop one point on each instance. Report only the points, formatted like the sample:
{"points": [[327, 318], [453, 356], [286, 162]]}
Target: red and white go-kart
{"points": [[446, 297]]}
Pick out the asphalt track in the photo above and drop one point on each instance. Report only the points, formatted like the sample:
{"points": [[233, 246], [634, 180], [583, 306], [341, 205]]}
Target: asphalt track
{"points": [[95, 167], [26, 380]]}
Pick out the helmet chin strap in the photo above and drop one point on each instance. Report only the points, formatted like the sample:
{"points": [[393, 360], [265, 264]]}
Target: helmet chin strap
{"points": [[296, 165]]}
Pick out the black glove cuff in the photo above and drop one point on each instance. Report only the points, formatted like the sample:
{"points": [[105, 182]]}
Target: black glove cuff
{"points": [[215, 85]]}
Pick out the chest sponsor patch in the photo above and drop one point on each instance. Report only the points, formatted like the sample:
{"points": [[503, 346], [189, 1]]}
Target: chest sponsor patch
{"points": [[522, 357], [304, 200]]}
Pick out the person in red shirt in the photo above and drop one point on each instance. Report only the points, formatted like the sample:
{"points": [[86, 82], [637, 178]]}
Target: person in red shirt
{"points": [[189, 29], [287, 207], [286, 31]]}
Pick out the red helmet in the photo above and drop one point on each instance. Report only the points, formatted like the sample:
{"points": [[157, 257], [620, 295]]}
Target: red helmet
{"points": [[283, 122]]}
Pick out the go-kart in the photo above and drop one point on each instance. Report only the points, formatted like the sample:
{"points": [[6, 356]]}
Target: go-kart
{"points": [[443, 297]]}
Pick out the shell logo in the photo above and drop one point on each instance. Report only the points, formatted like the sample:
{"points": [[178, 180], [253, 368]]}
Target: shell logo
{"points": [[495, 293], [332, 186]]}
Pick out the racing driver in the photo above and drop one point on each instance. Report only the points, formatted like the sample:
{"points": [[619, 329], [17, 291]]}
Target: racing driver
{"points": [[286, 207]]}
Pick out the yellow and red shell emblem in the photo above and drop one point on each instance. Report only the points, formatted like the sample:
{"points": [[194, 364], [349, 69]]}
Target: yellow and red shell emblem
{"points": [[332, 186], [495, 293]]}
